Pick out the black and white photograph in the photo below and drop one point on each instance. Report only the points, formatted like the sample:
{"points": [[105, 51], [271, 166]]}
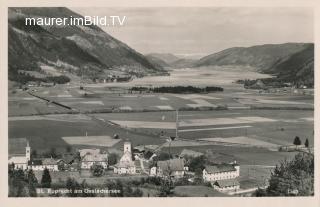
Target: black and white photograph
{"points": [[161, 101]]}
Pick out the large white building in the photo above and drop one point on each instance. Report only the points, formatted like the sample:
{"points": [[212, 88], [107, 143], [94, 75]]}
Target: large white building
{"points": [[220, 172], [126, 164], [20, 161]]}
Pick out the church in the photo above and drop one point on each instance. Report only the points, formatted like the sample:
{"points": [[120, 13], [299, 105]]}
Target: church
{"points": [[126, 164], [22, 150]]}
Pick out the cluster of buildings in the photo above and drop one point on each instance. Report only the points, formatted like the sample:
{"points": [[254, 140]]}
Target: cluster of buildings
{"points": [[140, 160]]}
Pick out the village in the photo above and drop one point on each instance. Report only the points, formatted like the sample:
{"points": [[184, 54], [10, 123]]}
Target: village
{"points": [[135, 162]]}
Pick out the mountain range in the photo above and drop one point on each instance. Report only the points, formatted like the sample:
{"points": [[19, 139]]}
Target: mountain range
{"points": [[288, 62], [82, 50], [170, 60]]}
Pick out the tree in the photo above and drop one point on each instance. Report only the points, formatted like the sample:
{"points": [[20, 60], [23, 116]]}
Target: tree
{"points": [[292, 178], [34, 154], [162, 156], [72, 185], [97, 170], [306, 143], [46, 179], [68, 148], [197, 163], [18, 186], [297, 141], [112, 159], [32, 183]]}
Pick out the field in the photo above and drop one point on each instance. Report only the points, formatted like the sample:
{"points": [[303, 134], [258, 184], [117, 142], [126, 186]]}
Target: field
{"points": [[104, 141], [243, 123]]}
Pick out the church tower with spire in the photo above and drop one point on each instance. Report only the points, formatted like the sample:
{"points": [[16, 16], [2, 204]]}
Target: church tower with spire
{"points": [[28, 151]]}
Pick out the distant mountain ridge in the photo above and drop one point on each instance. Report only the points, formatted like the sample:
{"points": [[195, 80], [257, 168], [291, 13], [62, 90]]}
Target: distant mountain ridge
{"points": [[170, 60], [289, 61], [79, 49]]}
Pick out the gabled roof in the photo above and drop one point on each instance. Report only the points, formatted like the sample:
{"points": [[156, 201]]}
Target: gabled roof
{"points": [[227, 183], [95, 158], [49, 161], [68, 158], [219, 168], [171, 165], [35, 162]]}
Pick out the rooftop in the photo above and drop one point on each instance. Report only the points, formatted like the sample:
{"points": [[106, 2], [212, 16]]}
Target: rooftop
{"points": [[171, 165], [219, 168], [227, 183]]}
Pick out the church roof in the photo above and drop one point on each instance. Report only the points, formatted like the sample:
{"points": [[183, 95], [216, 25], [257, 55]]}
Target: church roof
{"points": [[18, 160]]}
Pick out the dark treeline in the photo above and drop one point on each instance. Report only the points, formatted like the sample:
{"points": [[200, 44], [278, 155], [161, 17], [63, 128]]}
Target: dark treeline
{"points": [[23, 78], [178, 89]]}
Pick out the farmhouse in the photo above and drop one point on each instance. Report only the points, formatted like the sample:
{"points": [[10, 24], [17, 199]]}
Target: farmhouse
{"points": [[90, 157], [226, 185], [126, 164], [220, 172], [19, 153], [174, 168]]}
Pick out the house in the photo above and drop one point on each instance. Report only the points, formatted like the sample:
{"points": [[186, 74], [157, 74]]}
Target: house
{"points": [[226, 185], [90, 157], [173, 168], [220, 172], [41, 164], [126, 164], [19, 153]]}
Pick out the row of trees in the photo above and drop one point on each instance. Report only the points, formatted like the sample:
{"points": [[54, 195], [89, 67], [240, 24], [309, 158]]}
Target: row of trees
{"points": [[297, 141], [179, 89], [24, 183]]}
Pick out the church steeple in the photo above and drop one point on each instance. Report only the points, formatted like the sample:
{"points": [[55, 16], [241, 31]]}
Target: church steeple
{"points": [[28, 151]]}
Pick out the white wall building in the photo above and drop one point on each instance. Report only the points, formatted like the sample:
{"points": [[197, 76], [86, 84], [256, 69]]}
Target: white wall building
{"points": [[21, 161], [221, 172], [226, 185]]}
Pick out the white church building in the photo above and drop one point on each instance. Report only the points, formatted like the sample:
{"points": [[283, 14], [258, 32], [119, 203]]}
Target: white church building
{"points": [[20, 161], [126, 164]]}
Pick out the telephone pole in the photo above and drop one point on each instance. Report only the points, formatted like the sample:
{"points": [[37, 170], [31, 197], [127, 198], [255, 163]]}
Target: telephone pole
{"points": [[177, 122]]}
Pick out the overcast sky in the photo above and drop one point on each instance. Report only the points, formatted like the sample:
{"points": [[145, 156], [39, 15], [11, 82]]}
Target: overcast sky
{"points": [[202, 31]]}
